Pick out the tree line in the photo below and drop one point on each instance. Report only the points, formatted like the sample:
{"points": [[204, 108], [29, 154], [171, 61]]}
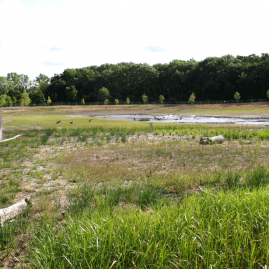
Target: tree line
{"points": [[214, 78]]}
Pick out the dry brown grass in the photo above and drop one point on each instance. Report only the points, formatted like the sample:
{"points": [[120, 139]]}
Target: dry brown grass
{"points": [[245, 109], [173, 165]]}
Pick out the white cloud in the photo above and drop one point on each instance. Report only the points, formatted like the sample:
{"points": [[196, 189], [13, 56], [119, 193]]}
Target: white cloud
{"points": [[53, 63], [40, 38], [155, 48], [56, 49]]}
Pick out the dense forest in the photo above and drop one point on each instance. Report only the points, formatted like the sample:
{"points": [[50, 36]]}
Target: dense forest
{"points": [[211, 79]]}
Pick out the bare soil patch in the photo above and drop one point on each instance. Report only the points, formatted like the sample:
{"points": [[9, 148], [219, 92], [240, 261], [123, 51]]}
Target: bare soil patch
{"points": [[232, 110]]}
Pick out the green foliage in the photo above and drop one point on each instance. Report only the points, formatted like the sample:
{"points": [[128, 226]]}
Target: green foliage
{"points": [[192, 98], [267, 94], [24, 98], [214, 78], [144, 98], [14, 100], [2, 100], [44, 139], [42, 82], [82, 101], [49, 100], [36, 96], [127, 101], [123, 138], [103, 94], [116, 101], [5, 86], [243, 76], [161, 99], [71, 93], [106, 101], [8, 101], [237, 96]]}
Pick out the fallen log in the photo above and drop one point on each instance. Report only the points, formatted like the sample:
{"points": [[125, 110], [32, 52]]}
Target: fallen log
{"points": [[10, 138], [212, 140], [13, 211]]}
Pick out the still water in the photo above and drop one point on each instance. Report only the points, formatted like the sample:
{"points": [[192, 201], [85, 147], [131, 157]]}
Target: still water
{"points": [[189, 119]]}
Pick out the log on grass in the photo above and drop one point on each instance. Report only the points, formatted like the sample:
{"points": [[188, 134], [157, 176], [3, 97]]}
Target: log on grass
{"points": [[10, 138], [13, 211], [212, 140]]}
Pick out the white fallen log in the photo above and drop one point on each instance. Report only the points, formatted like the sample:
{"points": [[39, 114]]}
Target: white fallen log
{"points": [[13, 211], [10, 138], [212, 140]]}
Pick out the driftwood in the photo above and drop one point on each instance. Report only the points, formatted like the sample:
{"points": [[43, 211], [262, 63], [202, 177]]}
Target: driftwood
{"points": [[212, 140], [13, 211], [10, 138]]}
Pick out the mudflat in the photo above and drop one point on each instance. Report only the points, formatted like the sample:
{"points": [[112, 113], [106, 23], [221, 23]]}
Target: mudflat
{"points": [[250, 110]]}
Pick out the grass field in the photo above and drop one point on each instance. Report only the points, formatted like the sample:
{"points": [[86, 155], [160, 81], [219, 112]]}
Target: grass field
{"points": [[118, 194]]}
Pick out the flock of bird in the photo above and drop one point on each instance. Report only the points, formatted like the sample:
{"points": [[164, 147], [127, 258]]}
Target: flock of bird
{"points": [[71, 122]]}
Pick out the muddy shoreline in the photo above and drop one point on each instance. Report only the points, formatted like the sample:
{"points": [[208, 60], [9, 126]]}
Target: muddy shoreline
{"points": [[217, 115]]}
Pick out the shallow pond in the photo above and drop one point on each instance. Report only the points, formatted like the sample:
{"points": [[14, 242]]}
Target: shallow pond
{"points": [[189, 119]]}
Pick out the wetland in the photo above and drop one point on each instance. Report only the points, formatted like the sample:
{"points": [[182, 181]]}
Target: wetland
{"points": [[119, 194]]}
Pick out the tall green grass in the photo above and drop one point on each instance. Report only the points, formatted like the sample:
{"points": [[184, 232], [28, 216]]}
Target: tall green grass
{"points": [[227, 229], [230, 133]]}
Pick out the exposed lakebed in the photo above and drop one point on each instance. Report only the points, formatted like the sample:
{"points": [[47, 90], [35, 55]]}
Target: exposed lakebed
{"points": [[189, 119]]}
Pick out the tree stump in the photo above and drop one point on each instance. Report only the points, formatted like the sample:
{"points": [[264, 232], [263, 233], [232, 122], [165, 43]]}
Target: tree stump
{"points": [[212, 140]]}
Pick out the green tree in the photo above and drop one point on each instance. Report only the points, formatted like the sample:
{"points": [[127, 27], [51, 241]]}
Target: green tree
{"points": [[144, 98], [5, 86], [71, 93], [82, 101], [192, 98], [103, 94], [161, 98], [49, 100], [8, 100], [37, 96], [106, 101], [237, 96], [127, 100], [116, 101], [14, 100], [2, 100], [24, 98], [19, 80], [42, 82], [267, 93]]}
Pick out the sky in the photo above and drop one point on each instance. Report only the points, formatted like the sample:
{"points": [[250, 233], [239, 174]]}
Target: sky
{"points": [[49, 36]]}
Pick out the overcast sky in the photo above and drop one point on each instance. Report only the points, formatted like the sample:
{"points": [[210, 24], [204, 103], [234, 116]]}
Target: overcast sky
{"points": [[48, 36]]}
